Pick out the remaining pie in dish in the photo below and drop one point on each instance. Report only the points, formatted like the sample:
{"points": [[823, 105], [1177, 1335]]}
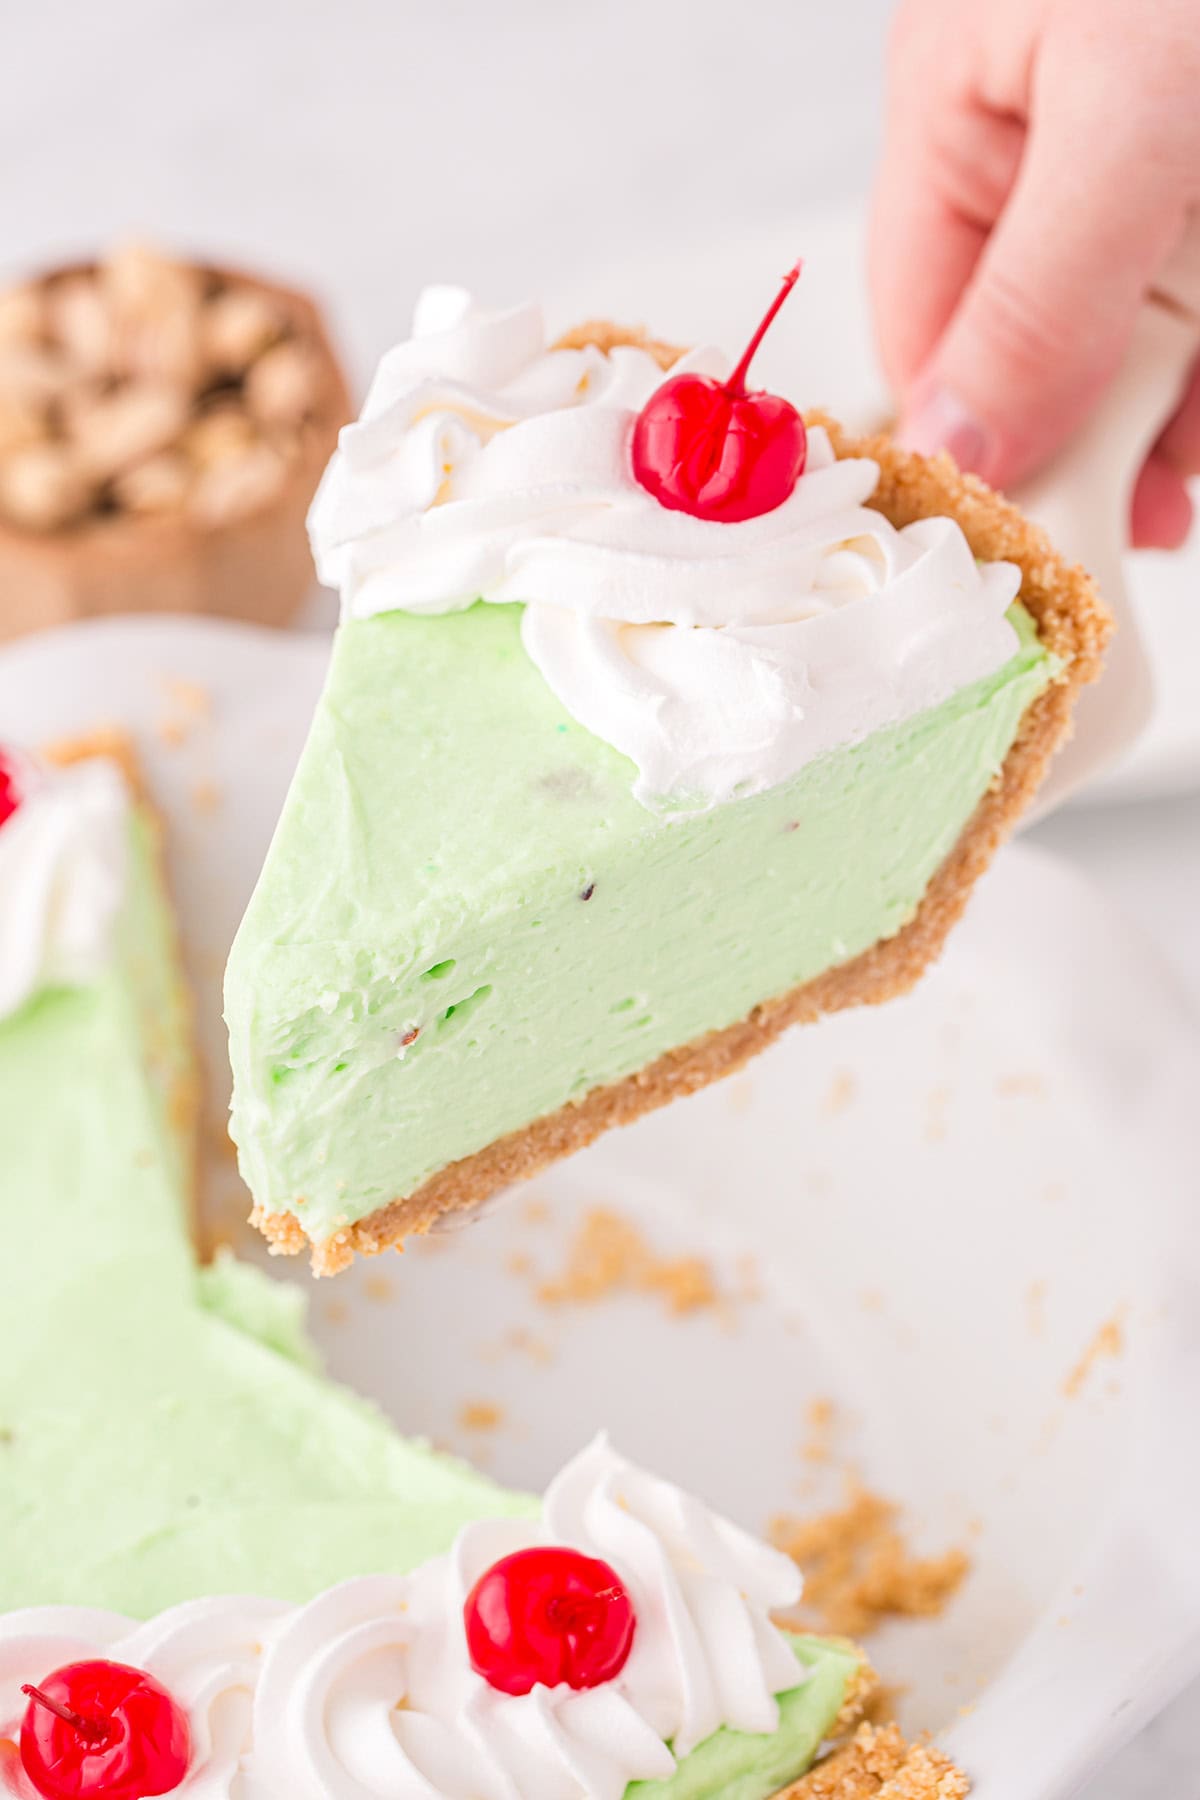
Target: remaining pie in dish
{"points": [[600, 797], [422, 1632]]}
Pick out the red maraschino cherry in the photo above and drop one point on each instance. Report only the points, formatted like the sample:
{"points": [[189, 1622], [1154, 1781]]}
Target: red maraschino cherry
{"points": [[709, 448], [103, 1731], [10, 793], [548, 1615]]}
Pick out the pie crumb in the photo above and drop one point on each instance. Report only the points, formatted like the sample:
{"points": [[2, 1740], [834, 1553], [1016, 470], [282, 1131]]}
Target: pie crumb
{"points": [[1109, 1340], [191, 697], [190, 704], [609, 1256], [1021, 1086], [858, 1571], [481, 1415], [206, 798], [842, 1090], [819, 1417], [527, 1342]]}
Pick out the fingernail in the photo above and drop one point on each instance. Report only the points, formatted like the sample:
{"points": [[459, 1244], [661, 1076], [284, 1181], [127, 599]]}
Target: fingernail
{"points": [[939, 420]]}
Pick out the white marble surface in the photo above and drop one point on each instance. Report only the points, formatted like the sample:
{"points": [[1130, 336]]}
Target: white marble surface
{"points": [[365, 147], [368, 147]]}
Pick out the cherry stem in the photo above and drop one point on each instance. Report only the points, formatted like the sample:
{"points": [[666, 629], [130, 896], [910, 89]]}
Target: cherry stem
{"points": [[92, 1731], [736, 384]]}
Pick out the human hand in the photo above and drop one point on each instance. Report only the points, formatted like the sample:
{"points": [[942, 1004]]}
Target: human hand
{"points": [[1040, 161]]}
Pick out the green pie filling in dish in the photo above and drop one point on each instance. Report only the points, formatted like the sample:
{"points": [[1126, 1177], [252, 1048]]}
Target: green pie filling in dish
{"points": [[165, 1431]]}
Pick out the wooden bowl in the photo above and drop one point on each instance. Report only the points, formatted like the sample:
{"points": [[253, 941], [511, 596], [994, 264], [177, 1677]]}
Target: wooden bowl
{"points": [[255, 565]]}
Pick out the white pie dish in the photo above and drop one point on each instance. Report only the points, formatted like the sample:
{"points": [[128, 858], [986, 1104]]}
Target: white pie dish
{"points": [[902, 1178]]}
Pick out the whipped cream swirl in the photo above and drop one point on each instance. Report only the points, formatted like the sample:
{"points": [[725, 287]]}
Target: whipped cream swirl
{"points": [[63, 857], [367, 1693], [720, 658]]}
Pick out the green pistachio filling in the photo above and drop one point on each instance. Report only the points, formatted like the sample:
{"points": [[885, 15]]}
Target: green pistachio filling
{"points": [[466, 920], [163, 1432]]}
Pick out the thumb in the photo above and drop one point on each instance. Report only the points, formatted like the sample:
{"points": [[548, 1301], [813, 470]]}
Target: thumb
{"points": [[1048, 312]]}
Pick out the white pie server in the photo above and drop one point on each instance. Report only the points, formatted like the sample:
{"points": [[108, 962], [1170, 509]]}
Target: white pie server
{"points": [[1084, 497]]}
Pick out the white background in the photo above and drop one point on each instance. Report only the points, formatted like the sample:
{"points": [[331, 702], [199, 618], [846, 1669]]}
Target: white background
{"points": [[365, 147]]}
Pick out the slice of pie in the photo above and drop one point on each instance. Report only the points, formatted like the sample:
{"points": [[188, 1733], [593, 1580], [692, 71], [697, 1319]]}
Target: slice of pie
{"points": [[600, 796], [168, 1443]]}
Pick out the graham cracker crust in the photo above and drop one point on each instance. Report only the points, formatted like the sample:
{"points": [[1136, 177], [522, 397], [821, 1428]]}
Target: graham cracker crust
{"points": [[870, 1760], [1072, 623], [879, 1764]]}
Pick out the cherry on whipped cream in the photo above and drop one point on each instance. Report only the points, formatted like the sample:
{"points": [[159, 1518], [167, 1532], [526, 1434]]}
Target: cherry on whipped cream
{"points": [[10, 792], [548, 1616], [101, 1730], [711, 449]]}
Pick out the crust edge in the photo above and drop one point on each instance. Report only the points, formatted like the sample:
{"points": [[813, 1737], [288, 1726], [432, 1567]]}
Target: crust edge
{"points": [[878, 1763], [184, 1095]]}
